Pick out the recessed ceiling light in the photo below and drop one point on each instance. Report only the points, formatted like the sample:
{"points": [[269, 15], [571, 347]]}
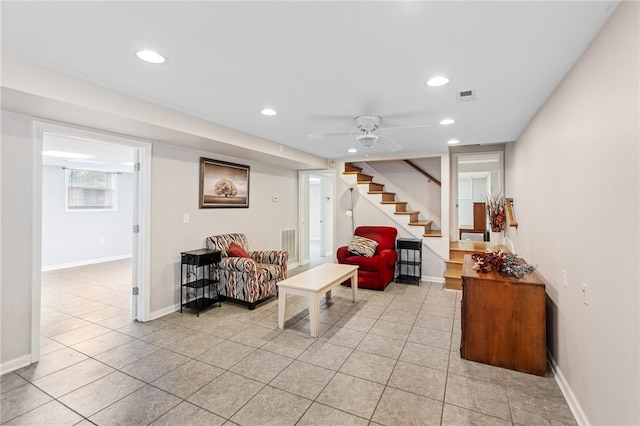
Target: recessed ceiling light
{"points": [[447, 121], [352, 150], [453, 141], [268, 111], [437, 81], [61, 154], [150, 56]]}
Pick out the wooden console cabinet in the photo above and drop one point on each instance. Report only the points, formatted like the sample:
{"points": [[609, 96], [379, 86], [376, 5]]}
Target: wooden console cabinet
{"points": [[503, 320]]}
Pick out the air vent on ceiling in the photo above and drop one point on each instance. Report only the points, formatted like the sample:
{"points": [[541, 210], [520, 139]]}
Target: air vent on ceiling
{"points": [[466, 95]]}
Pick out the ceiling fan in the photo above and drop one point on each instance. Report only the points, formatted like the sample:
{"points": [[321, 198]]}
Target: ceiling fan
{"points": [[368, 133]]}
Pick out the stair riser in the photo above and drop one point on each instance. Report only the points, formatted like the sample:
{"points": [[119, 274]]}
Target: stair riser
{"points": [[453, 283], [348, 167], [376, 187], [454, 267], [362, 178]]}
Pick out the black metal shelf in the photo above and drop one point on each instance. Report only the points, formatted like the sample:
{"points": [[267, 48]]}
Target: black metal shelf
{"points": [[203, 282], [409, 266], [200, 304], [196, 274]]}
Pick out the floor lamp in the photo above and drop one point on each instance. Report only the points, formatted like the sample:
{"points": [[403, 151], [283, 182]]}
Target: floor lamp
{"points": [[349, 213]]}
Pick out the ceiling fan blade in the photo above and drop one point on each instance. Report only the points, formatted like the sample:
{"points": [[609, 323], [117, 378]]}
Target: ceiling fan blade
{"points": [[329, 135], [394, 146], [344, 147], [418, 126]]}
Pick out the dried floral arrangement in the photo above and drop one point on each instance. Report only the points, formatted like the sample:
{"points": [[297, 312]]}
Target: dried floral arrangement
{"points": [[496, 212], [506, 264]]}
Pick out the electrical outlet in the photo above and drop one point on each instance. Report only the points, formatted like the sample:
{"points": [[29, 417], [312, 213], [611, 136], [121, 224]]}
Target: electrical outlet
{"points": [[585, 295], [565, 281], [185, 218]]}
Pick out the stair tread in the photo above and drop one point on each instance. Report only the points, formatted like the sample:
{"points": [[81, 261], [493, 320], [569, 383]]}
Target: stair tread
{"points": [[421, 223], [456, 261], [381, 192], [432, 235], [406, 212], [393, 202], [453, 274]]}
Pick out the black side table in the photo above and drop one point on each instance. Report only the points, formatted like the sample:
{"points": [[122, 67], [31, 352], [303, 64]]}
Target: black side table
{"points": [[196, 274], [409, 260]]}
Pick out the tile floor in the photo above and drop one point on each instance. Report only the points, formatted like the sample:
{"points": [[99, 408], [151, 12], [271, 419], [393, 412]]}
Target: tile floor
{"points": [[390, 359]]}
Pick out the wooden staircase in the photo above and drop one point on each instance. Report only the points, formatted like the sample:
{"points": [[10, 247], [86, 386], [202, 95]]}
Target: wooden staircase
{"points": [[390, 198], [457, 250]]}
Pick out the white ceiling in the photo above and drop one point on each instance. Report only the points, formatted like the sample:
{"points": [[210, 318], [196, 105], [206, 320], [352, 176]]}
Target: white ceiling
{"points": [[319, 64]]}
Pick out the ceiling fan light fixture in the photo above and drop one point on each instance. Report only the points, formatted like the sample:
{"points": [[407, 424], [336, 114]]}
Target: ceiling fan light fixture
{"points": [[352, 150], [447, 121], [453, 141], [268, 111], [437, 81], [367, 139]]}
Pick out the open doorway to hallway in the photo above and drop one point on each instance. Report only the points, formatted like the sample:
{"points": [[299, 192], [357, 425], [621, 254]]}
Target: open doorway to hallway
{"points": [[479, 175], [317, 210]]}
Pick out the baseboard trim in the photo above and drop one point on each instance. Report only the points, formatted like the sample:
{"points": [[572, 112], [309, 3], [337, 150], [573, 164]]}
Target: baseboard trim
{"points": [[162, 312], [569, 396], [439, 280], [85, 262], [15, 364]]}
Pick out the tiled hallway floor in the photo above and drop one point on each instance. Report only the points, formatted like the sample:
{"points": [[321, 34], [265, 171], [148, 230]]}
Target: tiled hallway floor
{"points": [[392, 358]]}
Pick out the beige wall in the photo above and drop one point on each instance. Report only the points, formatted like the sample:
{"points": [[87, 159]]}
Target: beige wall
{"points": [[174, 192], [574, 178]]}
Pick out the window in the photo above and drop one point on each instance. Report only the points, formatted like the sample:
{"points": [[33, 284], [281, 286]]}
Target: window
{"points": [[88, 190]]}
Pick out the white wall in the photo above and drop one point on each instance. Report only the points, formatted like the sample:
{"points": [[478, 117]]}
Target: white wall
{"points": [[573, 175], [17, 233], [413, 182], [73, 238]]}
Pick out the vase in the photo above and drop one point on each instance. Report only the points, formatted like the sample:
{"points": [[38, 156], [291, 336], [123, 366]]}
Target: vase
{"points": [[496, 239]]}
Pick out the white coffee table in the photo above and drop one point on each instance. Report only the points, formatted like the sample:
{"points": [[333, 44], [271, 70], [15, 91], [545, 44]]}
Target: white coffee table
{"points": [[313, 284]]}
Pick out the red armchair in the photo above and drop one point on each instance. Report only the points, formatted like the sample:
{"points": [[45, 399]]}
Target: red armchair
{"points": [[377, 271]]}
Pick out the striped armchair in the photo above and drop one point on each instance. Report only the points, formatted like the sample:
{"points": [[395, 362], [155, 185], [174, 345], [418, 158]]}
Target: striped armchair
{"points": [[247, 280]]}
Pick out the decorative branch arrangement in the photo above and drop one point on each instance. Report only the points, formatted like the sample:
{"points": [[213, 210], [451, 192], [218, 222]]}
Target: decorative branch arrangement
{"points": [[496, 212]]}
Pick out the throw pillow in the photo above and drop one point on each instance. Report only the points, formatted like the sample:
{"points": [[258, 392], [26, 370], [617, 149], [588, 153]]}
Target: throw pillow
{"points": [[363, 246], [237, 251]]}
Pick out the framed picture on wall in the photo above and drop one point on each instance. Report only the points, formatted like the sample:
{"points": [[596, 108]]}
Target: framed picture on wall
{"points": [[223, 184]]}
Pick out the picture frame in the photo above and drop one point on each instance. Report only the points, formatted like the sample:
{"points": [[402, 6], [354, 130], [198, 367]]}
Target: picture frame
{"points": [[223, 184]]}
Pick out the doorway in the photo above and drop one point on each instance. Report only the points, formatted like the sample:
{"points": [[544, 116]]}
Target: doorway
{"points": [[478, 175], [317, 190], [94, 215]]}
